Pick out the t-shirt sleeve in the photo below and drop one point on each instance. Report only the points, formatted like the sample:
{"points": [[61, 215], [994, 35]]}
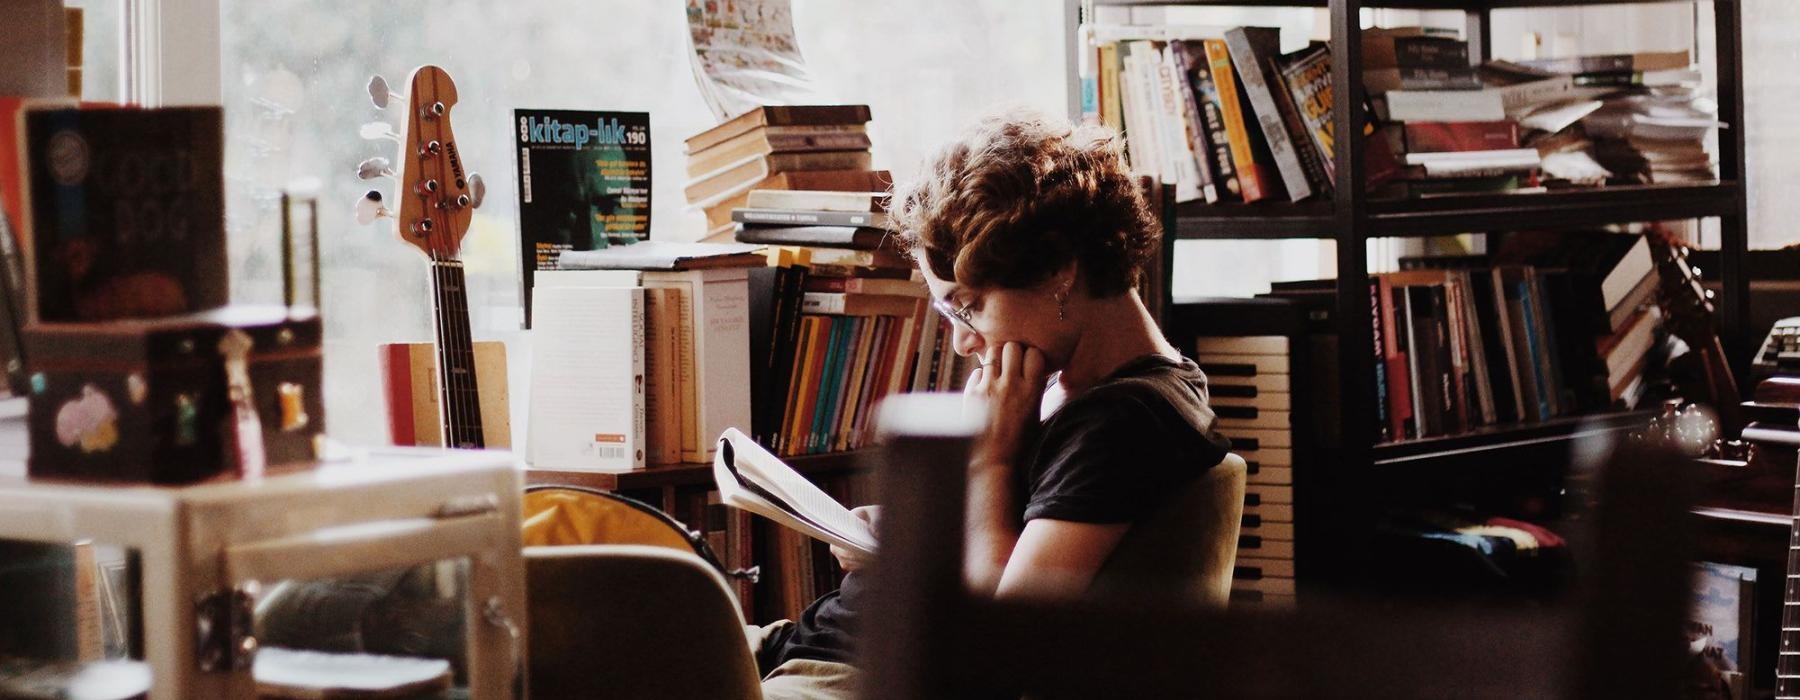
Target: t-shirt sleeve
{"points": [[1110, 461]]}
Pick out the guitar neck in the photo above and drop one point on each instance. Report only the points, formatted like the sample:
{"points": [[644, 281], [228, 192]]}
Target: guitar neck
{"points": [[1787, 664], [460, 399]]}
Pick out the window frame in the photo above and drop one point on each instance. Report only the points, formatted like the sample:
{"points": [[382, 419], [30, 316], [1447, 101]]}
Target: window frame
{"points": [[171, 51]]}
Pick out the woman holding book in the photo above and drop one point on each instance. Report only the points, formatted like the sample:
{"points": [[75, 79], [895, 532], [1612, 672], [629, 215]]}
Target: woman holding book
{"points": [[1031, 236]]}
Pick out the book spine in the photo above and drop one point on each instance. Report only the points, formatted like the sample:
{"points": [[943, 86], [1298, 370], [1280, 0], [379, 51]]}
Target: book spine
{"points": [[1399, 378], [1417, 364], [1182, 61], [1384, 427], [1253, 52], [635, 451], [1190, 182], [803, 349], [1111, 105], [790, 217], [1455, 362], [1461, 137], [797, 143], [1250, 175], [1212, 117], [722, 365]]}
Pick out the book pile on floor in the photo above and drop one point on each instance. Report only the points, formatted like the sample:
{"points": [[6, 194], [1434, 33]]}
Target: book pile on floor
{"points": [[1551, 324], [1226, 117], [806, 147]]}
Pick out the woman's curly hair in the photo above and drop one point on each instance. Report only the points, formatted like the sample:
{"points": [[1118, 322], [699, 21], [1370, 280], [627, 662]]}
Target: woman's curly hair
{"points": [[1018, 197]]}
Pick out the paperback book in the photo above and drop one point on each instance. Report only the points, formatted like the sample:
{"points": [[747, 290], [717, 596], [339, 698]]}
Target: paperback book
{"points": [[750, 478], [584, 184]]}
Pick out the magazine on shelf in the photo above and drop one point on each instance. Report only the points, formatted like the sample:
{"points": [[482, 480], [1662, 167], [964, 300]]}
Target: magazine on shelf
{"points": [[752, 479]]}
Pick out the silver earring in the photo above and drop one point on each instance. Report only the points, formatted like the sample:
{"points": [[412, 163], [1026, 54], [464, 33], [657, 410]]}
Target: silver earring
{"points": [[1062, 304]]}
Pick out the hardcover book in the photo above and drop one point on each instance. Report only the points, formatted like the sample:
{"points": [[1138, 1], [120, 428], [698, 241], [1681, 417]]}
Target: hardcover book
{"points": [[584, 184], [125, 214]]}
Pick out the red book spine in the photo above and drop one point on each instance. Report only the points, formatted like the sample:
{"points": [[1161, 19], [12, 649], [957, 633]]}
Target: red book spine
{"points": [[1456, 137], [396, 376]]}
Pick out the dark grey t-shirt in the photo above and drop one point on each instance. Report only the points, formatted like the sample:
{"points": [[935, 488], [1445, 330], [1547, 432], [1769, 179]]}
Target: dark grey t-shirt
{"points": [[1111, 455]]}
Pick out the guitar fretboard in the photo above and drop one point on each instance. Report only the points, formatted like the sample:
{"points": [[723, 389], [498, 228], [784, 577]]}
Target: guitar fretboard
{"points": [[1787, 665], [460, 395]]}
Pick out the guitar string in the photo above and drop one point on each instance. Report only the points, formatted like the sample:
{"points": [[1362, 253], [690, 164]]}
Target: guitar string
{"points": [[467, 397]]}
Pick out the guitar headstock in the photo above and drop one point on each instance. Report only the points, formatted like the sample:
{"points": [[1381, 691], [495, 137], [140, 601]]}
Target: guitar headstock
{"points": [[436, 196], [1686, 304]]}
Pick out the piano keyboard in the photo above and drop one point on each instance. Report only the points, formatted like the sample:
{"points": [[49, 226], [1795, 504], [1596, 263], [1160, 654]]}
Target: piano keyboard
{"points": [[1249, 382]]}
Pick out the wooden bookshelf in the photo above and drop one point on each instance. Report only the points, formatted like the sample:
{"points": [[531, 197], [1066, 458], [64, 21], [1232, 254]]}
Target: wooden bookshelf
{"points": [[679, 475], [1332, 492]]}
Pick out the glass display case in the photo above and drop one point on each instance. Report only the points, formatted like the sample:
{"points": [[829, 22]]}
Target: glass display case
{"points": [[172, 577]]}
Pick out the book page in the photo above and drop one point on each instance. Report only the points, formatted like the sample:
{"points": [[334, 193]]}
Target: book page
{"points": [[795, 501]]}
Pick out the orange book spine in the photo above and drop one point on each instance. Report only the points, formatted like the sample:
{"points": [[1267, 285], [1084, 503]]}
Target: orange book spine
{"points": [[1250, 176]]}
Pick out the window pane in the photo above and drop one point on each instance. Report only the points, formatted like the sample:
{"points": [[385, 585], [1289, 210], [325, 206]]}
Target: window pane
{"points": [[294, 77]]}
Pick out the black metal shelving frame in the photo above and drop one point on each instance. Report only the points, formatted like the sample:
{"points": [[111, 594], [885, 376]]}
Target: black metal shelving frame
{"points": [[1350, 217]]}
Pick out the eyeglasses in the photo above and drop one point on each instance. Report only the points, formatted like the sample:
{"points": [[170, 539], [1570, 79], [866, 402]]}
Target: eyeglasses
{"points": [[962, 316]]}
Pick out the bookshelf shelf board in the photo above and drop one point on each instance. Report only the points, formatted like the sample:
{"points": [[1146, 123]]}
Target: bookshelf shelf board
{"points": [[1565, 208], [660, 475], [1199, 221], [1439, 216], [1506, 437]]}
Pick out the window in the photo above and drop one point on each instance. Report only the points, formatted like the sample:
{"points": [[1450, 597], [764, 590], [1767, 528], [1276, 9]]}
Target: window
{"points": [[294, 101]]}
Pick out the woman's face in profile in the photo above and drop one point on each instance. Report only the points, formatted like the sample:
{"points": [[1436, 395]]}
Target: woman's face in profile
{"points": [[985, 318]]}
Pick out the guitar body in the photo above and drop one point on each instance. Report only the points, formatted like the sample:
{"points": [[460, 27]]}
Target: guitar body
{"points": [[409, 377]]}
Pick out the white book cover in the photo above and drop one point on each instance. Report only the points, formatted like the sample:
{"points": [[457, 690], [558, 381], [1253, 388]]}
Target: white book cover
{"points": [[587, 379], [1443, 105], [750, 478]]}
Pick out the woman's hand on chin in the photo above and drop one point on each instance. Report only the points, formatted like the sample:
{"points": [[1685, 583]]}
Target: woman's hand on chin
{"points": [[1011, 381]]}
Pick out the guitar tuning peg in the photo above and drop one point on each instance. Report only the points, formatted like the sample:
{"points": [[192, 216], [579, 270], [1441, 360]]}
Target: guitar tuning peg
{"points": [[374, 168], [369, 208], [379, 92], [379, 130], [477, 190]]}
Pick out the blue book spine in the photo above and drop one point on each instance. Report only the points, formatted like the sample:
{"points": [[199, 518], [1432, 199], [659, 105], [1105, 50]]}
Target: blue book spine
{"points": [[827, 382], [1532, 343]]}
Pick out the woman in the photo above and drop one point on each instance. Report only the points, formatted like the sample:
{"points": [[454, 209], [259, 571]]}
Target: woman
{"points": [[1031, 236]]}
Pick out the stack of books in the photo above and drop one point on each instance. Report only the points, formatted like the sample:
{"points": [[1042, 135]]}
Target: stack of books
{"points": [[659, 327], [808, 147], [1453, 157]]}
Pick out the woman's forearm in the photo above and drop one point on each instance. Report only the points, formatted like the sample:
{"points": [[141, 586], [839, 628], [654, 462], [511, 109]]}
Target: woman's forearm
{"points": [[992, 532]]}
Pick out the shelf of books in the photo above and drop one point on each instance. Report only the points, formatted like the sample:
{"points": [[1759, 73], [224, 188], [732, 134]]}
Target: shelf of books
{"points": [[1546, 333]]}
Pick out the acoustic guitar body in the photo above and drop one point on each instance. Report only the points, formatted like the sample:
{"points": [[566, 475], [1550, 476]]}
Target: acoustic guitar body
{"points": [[409, 376]]}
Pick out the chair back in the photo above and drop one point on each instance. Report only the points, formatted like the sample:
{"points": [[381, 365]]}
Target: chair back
{"points": [[1185, 551], [634, 621]]}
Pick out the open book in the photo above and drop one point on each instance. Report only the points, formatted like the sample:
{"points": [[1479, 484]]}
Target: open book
{"points": [[751, 478]]}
